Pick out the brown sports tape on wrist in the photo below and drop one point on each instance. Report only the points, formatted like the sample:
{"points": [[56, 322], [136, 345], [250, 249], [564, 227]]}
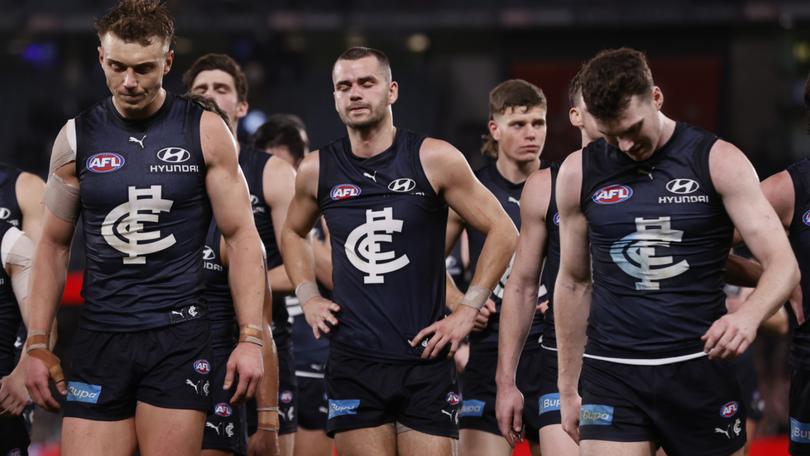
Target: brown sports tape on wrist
{"points": [[37, 347], [251, 334]]}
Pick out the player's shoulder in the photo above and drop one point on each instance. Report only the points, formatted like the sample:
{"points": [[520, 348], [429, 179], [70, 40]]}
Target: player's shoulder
{"points": [[309, 166], [439, 153], [28, 181]]}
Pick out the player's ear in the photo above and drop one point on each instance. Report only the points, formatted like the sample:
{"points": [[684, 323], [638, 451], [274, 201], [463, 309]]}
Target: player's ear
{"points": [[169, 60], [575, 117], [657, 97], [494, 131], [393, 92], [101, 56]]}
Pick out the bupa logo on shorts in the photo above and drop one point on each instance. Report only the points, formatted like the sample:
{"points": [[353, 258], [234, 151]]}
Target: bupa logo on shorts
{"points": [[82, 392], [682, 186], [612, 194], [202, 366], [472, 407], [105, 162], [173, 154], [222, 409], [799, 432], [403, 184], [556, 218], [286, 396], [344, 191], [806, 218], [453, 398], [595, 415], [549, 403], [342, 407], [729, 409]]}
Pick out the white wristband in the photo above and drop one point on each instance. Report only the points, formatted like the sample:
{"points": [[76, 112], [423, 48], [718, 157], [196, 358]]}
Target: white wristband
{"points": [[306, 291], [476, 296]]}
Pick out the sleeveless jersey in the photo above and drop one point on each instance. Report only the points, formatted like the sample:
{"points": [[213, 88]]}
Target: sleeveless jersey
{"points": [[145, 215], [659, 237], [800, 241], [387, 233], [552, 262], [10, 318], [455, 267], [508, 194], [9, 207], [217, 294]]}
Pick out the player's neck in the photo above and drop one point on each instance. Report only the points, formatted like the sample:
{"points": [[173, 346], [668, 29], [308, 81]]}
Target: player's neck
{"points": [[368, 142], [667, 130], [516, 172], [147, 111]]}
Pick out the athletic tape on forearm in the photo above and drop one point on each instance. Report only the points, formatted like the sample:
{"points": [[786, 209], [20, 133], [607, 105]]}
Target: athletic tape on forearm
{"points": [[37, 347], [62, 199], [251, 334], [476, 296], [306, 291]]}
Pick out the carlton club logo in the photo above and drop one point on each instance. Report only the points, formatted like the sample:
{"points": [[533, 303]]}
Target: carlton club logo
{"points": [[344, 191], [636, 253], [123, 228], [612, 194], [105, 162], [364, 250]]}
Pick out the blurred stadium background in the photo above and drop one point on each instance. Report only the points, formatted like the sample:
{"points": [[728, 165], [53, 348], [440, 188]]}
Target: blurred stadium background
{"points": [[732, 66]]}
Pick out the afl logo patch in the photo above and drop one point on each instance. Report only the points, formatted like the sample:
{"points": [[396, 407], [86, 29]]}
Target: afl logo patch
{"points": [[556, 218], [682, 186], [202, 366], [729, 409], [223, 409], [612, 194], [344, 191], [105, 162], [403, 184], [286, 396], [173, 154], [806, 218], [453, 398]]}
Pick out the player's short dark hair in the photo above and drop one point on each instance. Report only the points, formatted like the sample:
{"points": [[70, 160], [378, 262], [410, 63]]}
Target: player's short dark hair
{"points": [[221, 62], [611, 78], [138, 21], [575, 87], [361, 52], [282, 130], [209, 105], [514, 93]]}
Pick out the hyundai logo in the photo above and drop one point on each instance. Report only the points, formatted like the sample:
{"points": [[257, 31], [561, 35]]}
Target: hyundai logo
{"points": [[403, 184], [682, 186], [4, 213], [173, 154], [208, 253]]}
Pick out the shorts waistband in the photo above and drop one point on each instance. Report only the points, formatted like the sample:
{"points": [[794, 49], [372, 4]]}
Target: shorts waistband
{"points": [[648, 362]]}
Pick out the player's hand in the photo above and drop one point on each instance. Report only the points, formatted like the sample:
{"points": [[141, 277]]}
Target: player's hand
{"points": [[569, 414], [246, 362], [37, 377], [452, 329], [320, 313], [263, 443], [13, 395], [730, 336], [482, 319], [796, 303], [542, 307], [509, 413]]}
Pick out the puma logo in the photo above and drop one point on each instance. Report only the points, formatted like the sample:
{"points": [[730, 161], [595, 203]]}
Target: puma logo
{"points": [[513, 200], [371, 176], [196, 386], [211, 425], [722, 431], [133, 139], [175, 312]]}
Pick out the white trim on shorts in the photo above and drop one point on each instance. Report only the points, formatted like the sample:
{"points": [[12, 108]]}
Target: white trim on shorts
{"points": [[308, 374], [647, 362]]}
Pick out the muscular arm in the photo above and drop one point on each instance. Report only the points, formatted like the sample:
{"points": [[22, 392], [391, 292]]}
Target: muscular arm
{"points": [[29, 190], [763, 233], [279, 187]]}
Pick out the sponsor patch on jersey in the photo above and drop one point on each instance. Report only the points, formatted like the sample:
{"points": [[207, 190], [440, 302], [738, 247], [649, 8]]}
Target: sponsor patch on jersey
{"points": [[595, 415], [286, 396], [682, 186], [83, 392], [202, 366], [806, 218], [222, 409], [105, 162], [453, 398], [344, 191], [799, 432], [403, 184], [472, 407], [612, 194], [556, 218], [549, 403], [729, 409], [342, 407]]}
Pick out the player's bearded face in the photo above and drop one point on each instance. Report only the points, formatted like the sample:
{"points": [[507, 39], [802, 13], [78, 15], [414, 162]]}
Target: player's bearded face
{"points": [[363, 94], [134, 72]]}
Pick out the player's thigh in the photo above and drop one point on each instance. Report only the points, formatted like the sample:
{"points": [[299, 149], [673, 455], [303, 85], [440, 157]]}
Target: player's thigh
{"points": [[606, 448], [286, 444], [82, 437], [312, 443], [379, 440], [161, 428], [554, 440], [473, 442], [415, 443]]}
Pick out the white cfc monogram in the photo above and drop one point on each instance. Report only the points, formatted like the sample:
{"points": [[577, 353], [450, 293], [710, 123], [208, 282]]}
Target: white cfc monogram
{"points": [[635, 253], [363, 246], [123, 227]]}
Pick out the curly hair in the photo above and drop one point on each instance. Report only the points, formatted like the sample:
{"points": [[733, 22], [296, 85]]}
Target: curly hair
{"points": [[611, 78], [218, 62], [510, 94], [138, 21]]}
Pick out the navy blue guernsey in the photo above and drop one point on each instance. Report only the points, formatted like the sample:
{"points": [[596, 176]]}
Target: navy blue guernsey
{"points": [[252, 161], [800, 241], [552, 262], [659, 237], [387, 230], [9, 207], [145, 215], [217, 294], [10, 318], [508, 194]]}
